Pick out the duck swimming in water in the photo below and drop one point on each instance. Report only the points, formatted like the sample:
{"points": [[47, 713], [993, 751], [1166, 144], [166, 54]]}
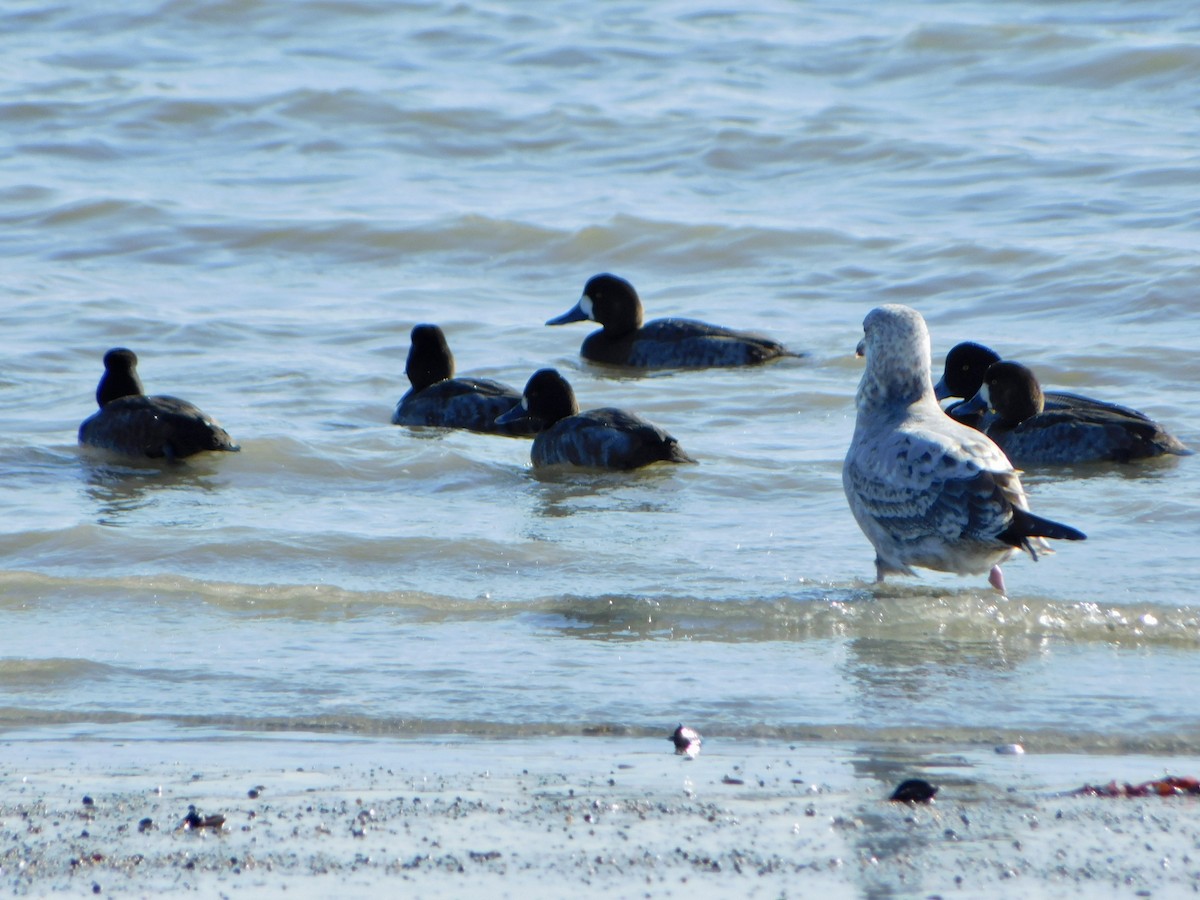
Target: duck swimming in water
{"points": [[438, 399], [661, 343], [926, 490], [962, 376], [157, 427], [603, 438], [1031, 433]]}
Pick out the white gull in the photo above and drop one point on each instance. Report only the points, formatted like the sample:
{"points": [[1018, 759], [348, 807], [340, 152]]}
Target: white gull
{"points": [[926, 490]]}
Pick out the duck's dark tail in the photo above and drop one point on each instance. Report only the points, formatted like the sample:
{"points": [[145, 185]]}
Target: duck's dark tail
{"points": [[1026, 525]]}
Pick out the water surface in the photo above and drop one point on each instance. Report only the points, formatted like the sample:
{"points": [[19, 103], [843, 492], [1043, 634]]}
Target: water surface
{"points": [[261, 200]]}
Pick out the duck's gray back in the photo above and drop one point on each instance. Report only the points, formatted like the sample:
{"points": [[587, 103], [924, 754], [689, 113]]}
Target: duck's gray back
{"points": [[605, 439], [154, 427]]}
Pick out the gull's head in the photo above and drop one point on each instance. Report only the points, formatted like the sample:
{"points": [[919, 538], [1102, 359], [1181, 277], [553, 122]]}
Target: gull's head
{"points": [[897, 348]]}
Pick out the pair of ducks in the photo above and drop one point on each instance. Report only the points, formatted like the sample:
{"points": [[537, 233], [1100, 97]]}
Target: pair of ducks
{"points": [[1004, 400], [131, 423], [547, 411]]}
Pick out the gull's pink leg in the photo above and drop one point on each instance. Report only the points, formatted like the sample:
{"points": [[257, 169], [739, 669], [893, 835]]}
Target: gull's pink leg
{"points": [[996, 580]]}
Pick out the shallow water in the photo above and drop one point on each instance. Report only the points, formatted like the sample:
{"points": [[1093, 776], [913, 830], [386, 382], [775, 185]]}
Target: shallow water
{"points": [[262, 199]]}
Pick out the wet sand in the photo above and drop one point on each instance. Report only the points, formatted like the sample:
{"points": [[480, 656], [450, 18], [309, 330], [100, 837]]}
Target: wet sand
{"points": [[618, 816]]}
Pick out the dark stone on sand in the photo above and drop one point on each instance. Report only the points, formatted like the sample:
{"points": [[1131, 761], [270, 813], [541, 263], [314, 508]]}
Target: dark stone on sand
{"points": [[915, 790]]}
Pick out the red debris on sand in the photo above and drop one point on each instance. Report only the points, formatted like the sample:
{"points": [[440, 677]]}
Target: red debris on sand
{"points": [[1167, 786]]}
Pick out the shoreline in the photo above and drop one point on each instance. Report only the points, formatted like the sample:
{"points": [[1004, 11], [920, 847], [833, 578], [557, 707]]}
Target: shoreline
{"points": [[540, 817]]}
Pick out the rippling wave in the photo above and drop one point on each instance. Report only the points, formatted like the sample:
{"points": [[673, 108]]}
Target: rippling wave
{"points": [[811, 612]]}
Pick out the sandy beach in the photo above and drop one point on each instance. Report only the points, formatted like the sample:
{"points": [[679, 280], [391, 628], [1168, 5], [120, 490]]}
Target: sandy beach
{"points": [[618, 816]]}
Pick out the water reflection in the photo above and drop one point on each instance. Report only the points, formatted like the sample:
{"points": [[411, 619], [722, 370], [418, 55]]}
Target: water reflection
{"points": [[1154, 469], [563, 492], [629, 617], [888, 673], [118, 489]]}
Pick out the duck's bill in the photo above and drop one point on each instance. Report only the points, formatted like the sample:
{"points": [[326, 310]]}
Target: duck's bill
{"points": [[575, 314], [517, 414], [977, 404], [940, 390]]}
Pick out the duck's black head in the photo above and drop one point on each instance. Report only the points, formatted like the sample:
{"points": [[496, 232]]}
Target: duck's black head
{"points": [[429, 357], [120, 378], [609, 300], [615, 303], [1013, 392], [547, 398], [966, 364]]}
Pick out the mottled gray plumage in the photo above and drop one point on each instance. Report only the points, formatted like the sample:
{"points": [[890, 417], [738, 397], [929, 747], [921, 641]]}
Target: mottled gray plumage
{"points": [[131, 423], [928, 491]]}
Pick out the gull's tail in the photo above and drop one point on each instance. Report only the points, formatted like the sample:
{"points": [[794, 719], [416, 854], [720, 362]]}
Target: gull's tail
{"points": [[1026, 525]]}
